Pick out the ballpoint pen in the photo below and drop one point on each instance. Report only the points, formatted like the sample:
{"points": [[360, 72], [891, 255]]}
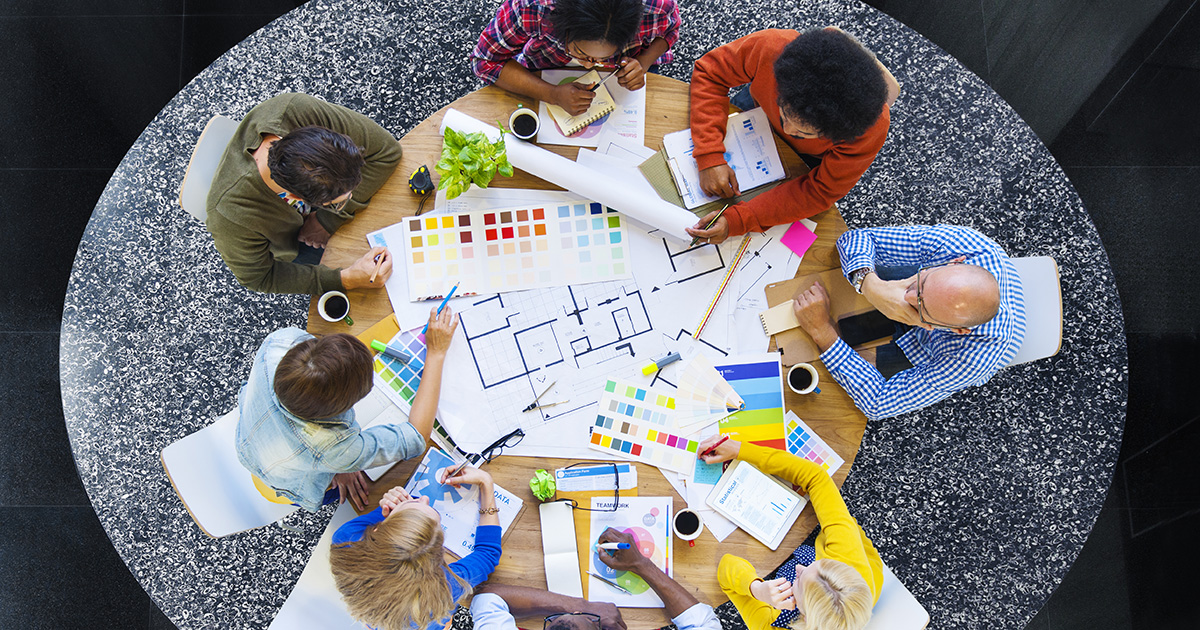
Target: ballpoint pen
{"points": [[610, 583]]}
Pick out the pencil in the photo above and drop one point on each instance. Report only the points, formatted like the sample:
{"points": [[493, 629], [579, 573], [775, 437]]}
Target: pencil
{"points": [[710, 224], [378, 264], [442, 305]]}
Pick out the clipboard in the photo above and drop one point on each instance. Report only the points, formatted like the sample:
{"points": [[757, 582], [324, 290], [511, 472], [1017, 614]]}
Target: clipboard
{"points": [[763, 506], [795, 346]]}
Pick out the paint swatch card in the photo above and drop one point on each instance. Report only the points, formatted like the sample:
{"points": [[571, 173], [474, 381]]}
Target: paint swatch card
{"points": [[625, 401], [703, 395], [802, 441], [758, 379], [495, 251], [657, 445], [397, 379]]}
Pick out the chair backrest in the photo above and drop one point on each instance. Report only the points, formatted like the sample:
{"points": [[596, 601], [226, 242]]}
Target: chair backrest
{"points": [[215, 488], [896, 609], [193, 192], [1043, 308]]}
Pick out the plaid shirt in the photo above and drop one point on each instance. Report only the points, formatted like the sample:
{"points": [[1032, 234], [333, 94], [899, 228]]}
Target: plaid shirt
{"points": [[521, 30], [943, 360]]}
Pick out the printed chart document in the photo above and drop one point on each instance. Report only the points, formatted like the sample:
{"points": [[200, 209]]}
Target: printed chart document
{"points": [[627, 120], [648, 520], [459, 507], [749, 149], [759, 503]]}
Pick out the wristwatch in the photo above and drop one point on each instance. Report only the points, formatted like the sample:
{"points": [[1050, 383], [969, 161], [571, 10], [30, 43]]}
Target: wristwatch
{"points": [[857, 278]]}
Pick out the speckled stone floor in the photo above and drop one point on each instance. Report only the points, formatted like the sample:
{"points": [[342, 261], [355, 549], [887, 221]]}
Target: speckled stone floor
{"points": [[979, 504]]}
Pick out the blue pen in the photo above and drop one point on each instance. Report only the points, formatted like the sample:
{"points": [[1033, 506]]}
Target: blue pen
{"points": [[612, 546], [442, 305]]}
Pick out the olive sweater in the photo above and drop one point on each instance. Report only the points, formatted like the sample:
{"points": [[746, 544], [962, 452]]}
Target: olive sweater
{"points": [[254, 230]]}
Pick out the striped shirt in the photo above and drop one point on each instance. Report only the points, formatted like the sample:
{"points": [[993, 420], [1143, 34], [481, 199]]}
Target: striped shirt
{"points": [[521, 30], [943, 360]]}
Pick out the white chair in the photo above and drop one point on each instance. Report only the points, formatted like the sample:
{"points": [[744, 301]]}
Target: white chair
{"points": [[1043, 308], [216, 489], [896, 609], [193, 192]]}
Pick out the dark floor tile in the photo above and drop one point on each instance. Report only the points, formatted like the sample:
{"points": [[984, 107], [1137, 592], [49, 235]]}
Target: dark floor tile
{"points": [[159, 621], [955, 26], [1160, 566], [60, 571], [1040, 621], [239, 7], [29, 8], [36, 465], [44, 214], [1153, 503], [206, 37], [1162, 388], [79, 90], [1179, 49], [1146, 219]]}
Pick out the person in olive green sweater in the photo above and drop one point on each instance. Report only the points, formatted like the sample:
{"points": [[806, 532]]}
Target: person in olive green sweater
{"points": [[296, 169], [839, 589]]}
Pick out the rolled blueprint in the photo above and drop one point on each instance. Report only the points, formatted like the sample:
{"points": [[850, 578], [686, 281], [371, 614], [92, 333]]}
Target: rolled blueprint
{"points": [[577, 178]]}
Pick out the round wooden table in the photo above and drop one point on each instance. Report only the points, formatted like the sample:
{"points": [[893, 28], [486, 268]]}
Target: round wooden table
{"points": [[831, 413]]}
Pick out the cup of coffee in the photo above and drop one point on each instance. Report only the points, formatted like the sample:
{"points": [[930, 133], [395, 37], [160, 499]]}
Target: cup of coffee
{"points": [[524, 123], [334, 306], [802, 378], [687, 526]]}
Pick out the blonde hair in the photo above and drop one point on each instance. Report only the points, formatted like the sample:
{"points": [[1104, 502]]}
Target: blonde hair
{"points": [[839, 599], [395, 577]]}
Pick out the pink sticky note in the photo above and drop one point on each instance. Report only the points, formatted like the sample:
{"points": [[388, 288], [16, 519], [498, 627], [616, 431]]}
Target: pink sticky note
{"points": [[798, 238]]}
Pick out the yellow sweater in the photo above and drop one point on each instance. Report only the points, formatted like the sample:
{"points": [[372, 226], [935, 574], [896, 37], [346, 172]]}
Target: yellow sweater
{"points": [[840, 539]]}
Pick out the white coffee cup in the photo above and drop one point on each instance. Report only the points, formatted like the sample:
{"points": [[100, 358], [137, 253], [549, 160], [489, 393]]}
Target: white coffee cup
{"points": [[521, 112], [802, 378], [324, 307], [692, 536]]}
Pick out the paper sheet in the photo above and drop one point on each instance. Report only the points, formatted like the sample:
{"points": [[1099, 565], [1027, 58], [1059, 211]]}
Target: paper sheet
{"points": [[616, 167], [715, 524], [749, 150], [648, 520], [459, 507], [628, 121], [560, 556]]}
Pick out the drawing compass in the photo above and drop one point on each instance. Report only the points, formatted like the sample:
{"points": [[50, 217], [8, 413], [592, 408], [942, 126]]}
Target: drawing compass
{"points": [[535, 404]]}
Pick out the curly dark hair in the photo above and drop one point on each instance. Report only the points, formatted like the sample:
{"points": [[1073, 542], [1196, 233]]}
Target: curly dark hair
{"points": [[316, 164], [830, 81], [612, 21]]}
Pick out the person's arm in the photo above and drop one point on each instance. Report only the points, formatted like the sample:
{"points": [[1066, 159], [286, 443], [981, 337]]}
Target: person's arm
{"points": [[720, 69], [354, 529], [248, 255], [437, 344], [676, 598], [476, 566], [735, 576], [523, 602]]}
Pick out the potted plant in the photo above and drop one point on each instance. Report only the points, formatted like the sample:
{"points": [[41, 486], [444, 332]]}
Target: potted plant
{"points": [[470, 159]]}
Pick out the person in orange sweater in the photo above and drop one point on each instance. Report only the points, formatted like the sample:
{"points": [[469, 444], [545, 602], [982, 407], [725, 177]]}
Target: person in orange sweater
{"points": [[837, 590], [823, 92]]}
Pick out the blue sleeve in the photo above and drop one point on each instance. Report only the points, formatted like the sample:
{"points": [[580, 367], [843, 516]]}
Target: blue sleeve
{"points": [[354, 529], [479, 564]]}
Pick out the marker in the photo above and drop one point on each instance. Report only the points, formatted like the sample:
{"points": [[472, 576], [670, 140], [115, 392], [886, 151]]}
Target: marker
{"points": [[611, 546], [441, 306], [610, 583], [710, 224], [709, 450], [660, 364], [379, 346]]}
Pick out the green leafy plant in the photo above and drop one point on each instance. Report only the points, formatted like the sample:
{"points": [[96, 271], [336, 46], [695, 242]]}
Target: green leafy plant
{"points": [[470, 159]]}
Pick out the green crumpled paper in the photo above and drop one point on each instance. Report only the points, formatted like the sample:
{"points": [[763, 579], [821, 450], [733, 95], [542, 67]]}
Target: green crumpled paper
{"points": [[542, 485]]}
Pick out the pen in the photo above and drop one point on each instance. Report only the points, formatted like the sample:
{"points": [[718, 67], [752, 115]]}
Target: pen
{"points": [[710, 224], [378, 264], [442, 305], [605, 80], [617, 545], [379, 346], [709, 450], [456, 471], [610, 583]]}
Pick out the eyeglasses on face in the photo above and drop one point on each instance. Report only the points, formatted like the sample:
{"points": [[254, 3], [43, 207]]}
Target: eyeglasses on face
{"points": [[923, 273], [592, 618], [575, 52]]}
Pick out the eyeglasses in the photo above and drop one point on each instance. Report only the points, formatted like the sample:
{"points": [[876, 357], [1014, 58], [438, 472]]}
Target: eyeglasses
{"points": [[616, 490], [592, 617], [339, 206], [496, 449], [921, 300], [574, 51]]}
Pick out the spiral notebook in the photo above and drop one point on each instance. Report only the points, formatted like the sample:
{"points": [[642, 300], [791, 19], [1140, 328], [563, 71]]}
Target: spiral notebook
{"points": [[602, 105]]}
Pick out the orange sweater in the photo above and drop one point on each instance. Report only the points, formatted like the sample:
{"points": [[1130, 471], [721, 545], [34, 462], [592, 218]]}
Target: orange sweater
{"points": [[750, 60]]}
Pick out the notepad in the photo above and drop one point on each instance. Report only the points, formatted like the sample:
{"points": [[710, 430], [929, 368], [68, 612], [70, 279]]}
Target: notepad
{"points": [[757, 502], [778, 319], [558, 549], [602, 105]]}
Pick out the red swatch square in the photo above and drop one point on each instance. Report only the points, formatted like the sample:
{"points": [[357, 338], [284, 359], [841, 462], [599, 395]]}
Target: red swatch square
{"points": [[464, 237], [489, 219], [491, 234], [508, 232], [539, 214], [637, 449]]}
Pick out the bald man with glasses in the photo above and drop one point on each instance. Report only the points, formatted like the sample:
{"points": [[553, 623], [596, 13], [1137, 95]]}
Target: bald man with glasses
{"points": [[957, 302]]}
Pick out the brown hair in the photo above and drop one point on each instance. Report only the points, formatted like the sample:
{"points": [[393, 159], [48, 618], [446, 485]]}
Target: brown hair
{"points": [[316, 164], [395, 577], [323, 377]]}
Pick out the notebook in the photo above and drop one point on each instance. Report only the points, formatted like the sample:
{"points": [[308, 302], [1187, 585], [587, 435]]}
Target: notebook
{"points": [[757, 502], [602, 105]]}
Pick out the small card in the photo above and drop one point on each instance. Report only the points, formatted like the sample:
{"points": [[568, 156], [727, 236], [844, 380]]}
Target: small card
{"points": [[778, 319]]}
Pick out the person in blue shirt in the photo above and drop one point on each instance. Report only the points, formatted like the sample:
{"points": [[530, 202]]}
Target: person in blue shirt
{"points": [[388, 564], [296, 430]]}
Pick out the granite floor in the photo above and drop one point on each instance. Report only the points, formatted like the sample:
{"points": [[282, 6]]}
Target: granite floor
{"points": [[97, 72]]}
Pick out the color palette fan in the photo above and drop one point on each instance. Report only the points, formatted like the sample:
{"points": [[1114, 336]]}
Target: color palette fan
{"points": [[704, 396], [802, 441], [400, 380], [494, 251], [758, 379]]}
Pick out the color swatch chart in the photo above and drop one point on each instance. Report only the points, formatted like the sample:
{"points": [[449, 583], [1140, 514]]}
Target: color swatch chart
{"points": [[802, 441], [493, 251], [626, 401], [400, 380], [758, 379], [650, 438]]}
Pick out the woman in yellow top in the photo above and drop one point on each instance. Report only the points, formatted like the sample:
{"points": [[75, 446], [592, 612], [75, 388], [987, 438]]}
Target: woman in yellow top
{"points": [[839, 589]]}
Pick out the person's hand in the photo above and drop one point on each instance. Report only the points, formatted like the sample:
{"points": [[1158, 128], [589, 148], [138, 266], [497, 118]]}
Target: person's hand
{"points": [[776, 593], [358, 275], [393, 498], [727, 451], [623, 559], [469, 476], [353, 487], [888, 296], [440, 332], [312, 233], [610, 617], [573, 97], [720, 181], [811, 307], [631, 76], [715, 234]]}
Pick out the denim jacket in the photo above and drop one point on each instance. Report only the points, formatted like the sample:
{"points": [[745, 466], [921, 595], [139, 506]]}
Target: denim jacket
{"points": [[298, 457]]}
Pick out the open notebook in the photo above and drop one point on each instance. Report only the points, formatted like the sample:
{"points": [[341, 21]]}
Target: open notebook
{"points": [[602, 105]]}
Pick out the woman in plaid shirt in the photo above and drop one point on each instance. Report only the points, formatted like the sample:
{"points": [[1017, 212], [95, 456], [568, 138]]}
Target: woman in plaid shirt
{"points": [[526, 35]]}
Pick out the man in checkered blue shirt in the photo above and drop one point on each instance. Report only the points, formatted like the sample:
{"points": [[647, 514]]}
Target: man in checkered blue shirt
{"points": [[957, 301]]}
